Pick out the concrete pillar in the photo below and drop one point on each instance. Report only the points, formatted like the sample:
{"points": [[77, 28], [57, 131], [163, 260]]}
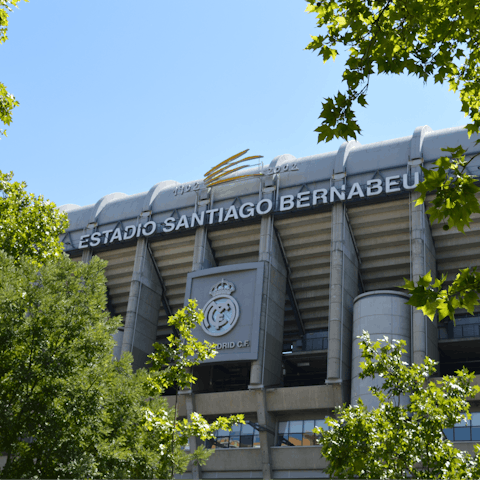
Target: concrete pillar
{"points": [[423, 260], [203, 258], [343, 289], [380, 313], [264, 419], [193, 442], [267, 369], [202, 253], [143, 307], [87, 255]]}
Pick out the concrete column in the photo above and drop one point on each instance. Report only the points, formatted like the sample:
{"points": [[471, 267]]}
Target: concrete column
{"points": [[267, 439], [143, 307], [202, 253], [193, 442], [267, 369], [423, 260], [343, 289], [87, 255], [203, 258], [380, 313]]}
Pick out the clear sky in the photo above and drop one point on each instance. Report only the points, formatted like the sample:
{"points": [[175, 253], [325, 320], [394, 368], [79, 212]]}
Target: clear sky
{"points": [[117, 96]]}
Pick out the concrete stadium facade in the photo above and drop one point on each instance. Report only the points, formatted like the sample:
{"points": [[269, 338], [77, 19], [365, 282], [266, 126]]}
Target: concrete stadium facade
{"points": [[290, 266]]}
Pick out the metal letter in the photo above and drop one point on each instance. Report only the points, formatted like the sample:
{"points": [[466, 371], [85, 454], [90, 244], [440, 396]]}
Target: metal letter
{"points": [[374, 187], [169, 224], [83, 243], [286, 203], [250, 211], [95, 239], [391, 184], [303, 197], [152, 224], [269, 208]]}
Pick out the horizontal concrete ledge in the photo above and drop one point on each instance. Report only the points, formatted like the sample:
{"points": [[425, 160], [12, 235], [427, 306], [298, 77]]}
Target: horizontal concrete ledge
{"points": [[287, 399], [382, 292], [298, 474], [234, 460], [295, 474], [228, 475], [297, 458], [313, 397], [466, 447]]}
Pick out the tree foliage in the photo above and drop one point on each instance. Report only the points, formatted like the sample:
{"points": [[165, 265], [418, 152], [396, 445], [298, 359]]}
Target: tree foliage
{"points": [[437, 40], [7, 100], [68, 409], [454, 203], [400, 439], [172, 363], [29, 226]]}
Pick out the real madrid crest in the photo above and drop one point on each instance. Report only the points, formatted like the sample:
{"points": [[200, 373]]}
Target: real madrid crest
{"points": [[222, 311]]}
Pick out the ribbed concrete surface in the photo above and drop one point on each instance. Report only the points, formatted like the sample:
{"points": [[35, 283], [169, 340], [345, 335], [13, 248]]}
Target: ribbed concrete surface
{"points": [[174, 260], [119, 276], [306, 240], [382, 234]]}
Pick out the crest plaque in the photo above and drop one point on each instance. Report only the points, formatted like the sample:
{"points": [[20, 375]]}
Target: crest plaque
{"points": [[222, 311]]}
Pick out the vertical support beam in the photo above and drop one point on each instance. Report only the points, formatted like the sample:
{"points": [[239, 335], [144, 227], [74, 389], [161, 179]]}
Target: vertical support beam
{"points": [[422, 254], [423, 260], [202, 253], [193, 442], [143, 307], [266, 437], [87, 255], [290, 292], [267, 369], [343, 289], [203, 258]]}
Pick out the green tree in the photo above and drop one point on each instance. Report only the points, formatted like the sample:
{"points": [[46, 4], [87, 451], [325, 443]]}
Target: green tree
{"points": [[400, 439], [437, 40], [7, 100], [172, 366], [68, 409], [454, 204], [29, 226]]}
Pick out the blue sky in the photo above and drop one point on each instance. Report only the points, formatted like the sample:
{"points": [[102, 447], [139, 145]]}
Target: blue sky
{"points": [[117, 96]]}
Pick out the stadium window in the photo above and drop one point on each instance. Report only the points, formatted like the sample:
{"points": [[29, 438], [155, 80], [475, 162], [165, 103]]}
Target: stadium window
{"points": [[241, 436], [466, 430], [298, 433]]}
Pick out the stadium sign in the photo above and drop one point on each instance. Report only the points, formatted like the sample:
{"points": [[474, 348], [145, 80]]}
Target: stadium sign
{"points": [[305, 199]]}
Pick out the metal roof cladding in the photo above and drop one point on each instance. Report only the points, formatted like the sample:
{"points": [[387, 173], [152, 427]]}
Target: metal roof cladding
{"points": [[351, 159]]}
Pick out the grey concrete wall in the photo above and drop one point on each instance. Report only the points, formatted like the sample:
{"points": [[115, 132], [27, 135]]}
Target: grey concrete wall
{"points": [[295, 399], [202, 253], [144, 304], [296, 459], [117, 350], [423, 260], [235, 460], [278, 400], [380, 313], [267, 369], [343, 289]]}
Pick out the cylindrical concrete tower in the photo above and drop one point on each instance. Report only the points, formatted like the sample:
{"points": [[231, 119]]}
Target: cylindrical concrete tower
{"points": [[380, 313]]}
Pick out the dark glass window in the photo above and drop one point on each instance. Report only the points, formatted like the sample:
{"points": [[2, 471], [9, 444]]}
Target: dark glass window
{"points": [[298, 433], [466, 430], [241, 436]]}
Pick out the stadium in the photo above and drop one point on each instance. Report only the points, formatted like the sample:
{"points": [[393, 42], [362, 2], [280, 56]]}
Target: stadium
{"points": [[290, 262]]}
